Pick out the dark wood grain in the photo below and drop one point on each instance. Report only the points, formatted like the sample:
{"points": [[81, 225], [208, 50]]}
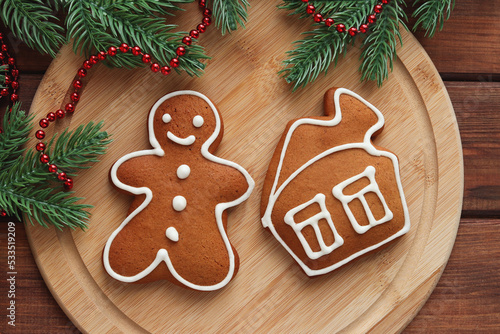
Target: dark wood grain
{"points": [[467, 298]]}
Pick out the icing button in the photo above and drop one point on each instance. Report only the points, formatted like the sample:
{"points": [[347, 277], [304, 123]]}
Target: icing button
{"points": [[172, 234], [179, 203], [183, 172]]}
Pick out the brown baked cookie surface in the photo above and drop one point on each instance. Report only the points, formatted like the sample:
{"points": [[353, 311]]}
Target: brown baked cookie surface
{"points": [[175, 228], [330, 195]]}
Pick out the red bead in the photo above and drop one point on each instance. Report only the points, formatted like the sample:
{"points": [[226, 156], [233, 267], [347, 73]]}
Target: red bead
{"points": [[60, 113], [40, 134], [44, 123], [2, 55], [112, 51], [82, 73], [87, 65], [329, 22], [174, 62], [11, 61], [318, 17], [124, 47], [202, 3], [51, 116], [70, 107], [93, 60], [15, 73], [101, 55], [340, 27], [7, 80], [77, 84], [194, 33], [4, 47], [136, 50], [201, 28], [363, 28], [44, 159], [377, 9], [207, 21], [181, 51], [40, 147], [146, 58], [75, 97], [306, 1], [155, 67], [385, 2], [3, 213], [52, 168], [4, 92], [165, 70], [14, 97], [14, 85], [68, 184], [62, 176], [310, 9], [372, 18], [187, 40], [353, 31], [207, 12]]}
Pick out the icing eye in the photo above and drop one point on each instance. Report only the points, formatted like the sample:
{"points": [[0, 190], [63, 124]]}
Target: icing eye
{"points": [[166, 118], [198, 121]]}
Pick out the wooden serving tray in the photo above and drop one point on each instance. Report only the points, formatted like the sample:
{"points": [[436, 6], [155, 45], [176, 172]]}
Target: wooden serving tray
{"points": [[381, 292]]}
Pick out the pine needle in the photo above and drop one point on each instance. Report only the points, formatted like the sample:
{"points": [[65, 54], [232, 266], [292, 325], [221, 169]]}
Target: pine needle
{"points": [[432, 14]]}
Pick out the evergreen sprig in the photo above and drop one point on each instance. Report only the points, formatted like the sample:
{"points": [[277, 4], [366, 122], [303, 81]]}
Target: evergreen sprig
{"points": [[3, 71], [17, 126], [95, 25], [379, 47], [26, 185], [432, 14], [229, 14], [322, 47]]}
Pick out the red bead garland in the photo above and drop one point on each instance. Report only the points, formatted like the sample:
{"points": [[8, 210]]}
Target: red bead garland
{"points": [[341, 28], [87, 65], [11, 79]]}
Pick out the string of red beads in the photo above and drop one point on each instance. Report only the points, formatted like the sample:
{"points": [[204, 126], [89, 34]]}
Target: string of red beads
{"points": [[341, 28], [100, 56], [11, 79]]}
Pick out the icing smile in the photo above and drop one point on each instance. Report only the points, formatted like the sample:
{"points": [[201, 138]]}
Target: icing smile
{"points": [[189, 140]]}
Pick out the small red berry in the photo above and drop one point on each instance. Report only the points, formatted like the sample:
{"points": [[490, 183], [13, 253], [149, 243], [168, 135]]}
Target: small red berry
{"points": [[146, 58], [40, 146], [155, 67], [51, 116], [174, 62], [68, 184], [112, 51], [165, 70], [136, 50], [194, 33], [44, 159], [124, 47], [52, 168], [44, 123], [40, 134], [60, 113], [181, 51], [70, 107]]}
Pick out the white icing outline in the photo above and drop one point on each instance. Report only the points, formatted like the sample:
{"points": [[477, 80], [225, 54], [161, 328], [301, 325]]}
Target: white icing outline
{"points": [[162, 254], [189, 140], [338, 192], [366, 145]]}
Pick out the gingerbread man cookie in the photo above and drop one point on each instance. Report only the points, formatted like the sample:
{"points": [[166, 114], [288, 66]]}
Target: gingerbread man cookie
{"points": [[330, 194], [176, 225]]}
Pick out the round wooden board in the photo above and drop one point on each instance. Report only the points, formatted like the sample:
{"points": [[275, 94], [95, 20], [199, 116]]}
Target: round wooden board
{"points": [[381, 292]]}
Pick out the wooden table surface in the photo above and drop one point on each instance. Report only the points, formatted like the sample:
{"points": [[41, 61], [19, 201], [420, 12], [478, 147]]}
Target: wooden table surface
{"points": [[467, 298]]}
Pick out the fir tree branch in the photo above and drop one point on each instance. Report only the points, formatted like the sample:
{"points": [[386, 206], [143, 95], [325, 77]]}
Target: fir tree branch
{"points": [[31, 21], [379, 47], [432, 14], [322, 46], [228, 14], [16, 127], [3, 72], [25, 186]]}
